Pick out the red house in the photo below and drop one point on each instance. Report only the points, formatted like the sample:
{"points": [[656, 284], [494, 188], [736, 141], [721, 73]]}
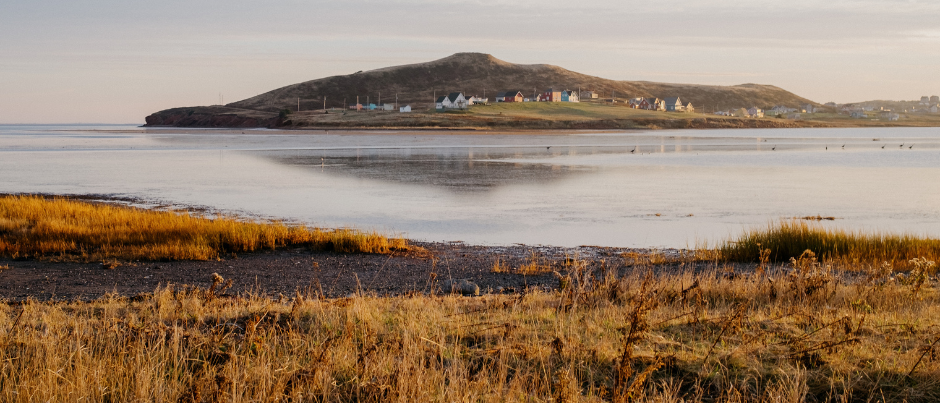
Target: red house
{"points": [[510, 96], [550, 96]]}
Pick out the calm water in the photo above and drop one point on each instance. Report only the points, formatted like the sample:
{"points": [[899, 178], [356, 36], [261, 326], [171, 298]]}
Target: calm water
{"points": [[646, 189]]}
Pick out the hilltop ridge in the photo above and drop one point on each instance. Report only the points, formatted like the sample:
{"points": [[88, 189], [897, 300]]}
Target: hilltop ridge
{"points": [[476, 73]]}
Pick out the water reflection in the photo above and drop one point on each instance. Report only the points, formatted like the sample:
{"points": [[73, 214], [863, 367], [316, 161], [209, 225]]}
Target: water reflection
{"points": [[458, 170]]}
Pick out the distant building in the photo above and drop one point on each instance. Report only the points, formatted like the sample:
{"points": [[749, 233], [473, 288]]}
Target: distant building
{"points": [[510, 96], [356, 107], [634, 102], [454, 100], [755, 112], [652, 104], [588, 95], [860, 114], [550, 95], [689, 108], [794, 116], [476, 100], [808, 108], [405, 109], [781, 110], [673, 104], [388, 107], [723, 113], [935, 109], [569, 96], [934, 99], [925, 100], [891, 116]]}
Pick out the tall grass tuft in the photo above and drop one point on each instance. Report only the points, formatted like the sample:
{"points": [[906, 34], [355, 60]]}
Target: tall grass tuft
{"points": [[786, 240], [64, 229]]}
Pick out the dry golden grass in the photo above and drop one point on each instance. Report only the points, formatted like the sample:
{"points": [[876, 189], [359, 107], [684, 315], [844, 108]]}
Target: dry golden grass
{"points": [[64, 229], [789, 239], [805, 334]]}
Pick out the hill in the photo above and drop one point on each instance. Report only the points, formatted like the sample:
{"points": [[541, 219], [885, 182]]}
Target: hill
{"points": [[476, 73]]}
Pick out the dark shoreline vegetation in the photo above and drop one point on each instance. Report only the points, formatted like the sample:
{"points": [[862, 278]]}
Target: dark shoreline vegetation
{"points": [[815, 315]]}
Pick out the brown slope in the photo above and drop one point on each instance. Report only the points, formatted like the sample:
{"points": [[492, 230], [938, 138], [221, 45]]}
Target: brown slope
{"points": [[471, 73]]}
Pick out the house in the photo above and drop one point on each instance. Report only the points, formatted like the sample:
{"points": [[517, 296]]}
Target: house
{"points": [[935, 109], [755, 112], [509, 96], [476, 100], [454, 100], [673, 104], [652, 104], [740, 113], [388, 107], [890, 116], [808, 108], [405, 109], [372, 107], [781, 110], [859, 114], [588, 95], [355, 107], [569, 96], [925, 100], [689, 108], [934, 99], [634, 102], [550, 95], [723, 113]]}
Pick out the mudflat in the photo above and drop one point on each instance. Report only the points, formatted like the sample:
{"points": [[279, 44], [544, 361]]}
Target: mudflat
{"points": [[495, 269]]}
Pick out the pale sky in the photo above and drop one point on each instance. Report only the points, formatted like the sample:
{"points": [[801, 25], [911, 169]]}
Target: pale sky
{"points": [[110, 61]]}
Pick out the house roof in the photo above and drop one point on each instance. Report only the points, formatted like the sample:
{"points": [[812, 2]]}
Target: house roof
{"points": [[453, 96], [441, 98], [672, 100], [511, 93]]}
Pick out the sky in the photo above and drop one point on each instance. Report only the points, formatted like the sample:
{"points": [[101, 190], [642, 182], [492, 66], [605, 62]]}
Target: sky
{"points": [[116, 61]]}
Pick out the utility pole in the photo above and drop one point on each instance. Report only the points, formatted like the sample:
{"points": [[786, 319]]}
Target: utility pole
{"points": [[298, 104], [324, 103], [357, 104], [396, 100], [380, 98]]}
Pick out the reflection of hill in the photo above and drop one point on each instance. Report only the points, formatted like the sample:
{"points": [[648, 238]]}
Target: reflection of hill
{"points": [[459, 173]]}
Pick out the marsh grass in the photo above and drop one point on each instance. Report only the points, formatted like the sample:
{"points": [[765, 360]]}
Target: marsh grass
{"points": [[64, 229], [807, 334], [784, 240]]}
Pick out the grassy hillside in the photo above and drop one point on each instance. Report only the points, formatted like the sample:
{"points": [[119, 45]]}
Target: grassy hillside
{"points": [[474, 73]]}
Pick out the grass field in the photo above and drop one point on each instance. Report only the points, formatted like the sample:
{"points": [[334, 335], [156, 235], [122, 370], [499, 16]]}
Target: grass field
{"points": [[803, 335], [71, 230]]}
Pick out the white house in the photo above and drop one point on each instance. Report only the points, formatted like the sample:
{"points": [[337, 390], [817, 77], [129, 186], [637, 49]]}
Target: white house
{"points": [[454, 100], [755, 112], [473, 100], [388, 107], [404, 109]]}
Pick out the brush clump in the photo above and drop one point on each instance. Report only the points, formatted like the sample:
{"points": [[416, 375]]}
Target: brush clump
{"points": [[59, 228], [788, 239]]}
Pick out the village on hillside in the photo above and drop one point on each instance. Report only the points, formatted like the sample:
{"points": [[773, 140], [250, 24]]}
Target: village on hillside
{"points": [[864, 110]]}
